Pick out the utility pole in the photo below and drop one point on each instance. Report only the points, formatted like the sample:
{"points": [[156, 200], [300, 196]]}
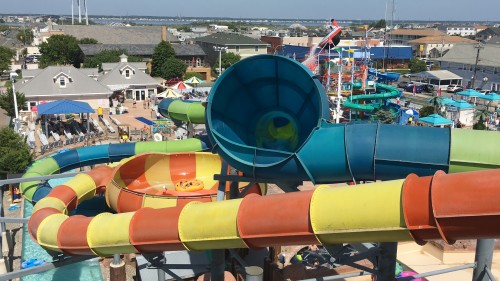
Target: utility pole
{"points": [[473, 81]]}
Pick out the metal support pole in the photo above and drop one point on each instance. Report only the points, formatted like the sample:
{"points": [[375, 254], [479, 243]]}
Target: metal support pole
{"points": [[117, 269], [386, 267], [160, 271], [484, 256]]}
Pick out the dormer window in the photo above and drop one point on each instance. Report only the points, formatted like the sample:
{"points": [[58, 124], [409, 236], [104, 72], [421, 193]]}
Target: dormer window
{"points": [[62, 82], [127, 72]]}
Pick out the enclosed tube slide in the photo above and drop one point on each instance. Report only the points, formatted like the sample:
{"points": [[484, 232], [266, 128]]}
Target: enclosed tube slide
{"points": [[182, 110], [86, 156], [384, 92], [384, 76], [448, 207], [266, 116]]}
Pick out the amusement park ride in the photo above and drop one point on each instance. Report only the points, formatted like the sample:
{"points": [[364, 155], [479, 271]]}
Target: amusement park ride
{"points": [[267, 120]]}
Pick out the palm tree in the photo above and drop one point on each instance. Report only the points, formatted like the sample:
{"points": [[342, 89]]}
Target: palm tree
{"points": [[480, 116]]}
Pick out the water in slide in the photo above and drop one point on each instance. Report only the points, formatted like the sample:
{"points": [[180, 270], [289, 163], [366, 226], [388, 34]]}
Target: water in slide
{"points": [[269, 124]]}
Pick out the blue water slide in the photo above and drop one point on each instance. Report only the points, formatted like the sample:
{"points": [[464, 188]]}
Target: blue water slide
{"points": [[384, 76], [268, 115]]}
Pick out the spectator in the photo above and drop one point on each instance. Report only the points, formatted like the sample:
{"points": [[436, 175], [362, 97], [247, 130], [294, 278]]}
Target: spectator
{"points": [[99, 112]]}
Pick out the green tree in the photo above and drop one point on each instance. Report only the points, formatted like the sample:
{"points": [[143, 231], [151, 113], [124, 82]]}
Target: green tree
{"points": [[185, 28], [385, 116], [88, 41], [7, 102], [164, 63], [227, 60], [426, 111], [107, 56], [480, 115], [25, 35], [62, 50], [193, 74], [174, 68], [417, 65], [13, 160], [379, 24], [6, 56]]}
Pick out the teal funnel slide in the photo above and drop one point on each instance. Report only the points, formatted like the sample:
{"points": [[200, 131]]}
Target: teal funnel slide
{"points": [[267, 117], [182, 110]]}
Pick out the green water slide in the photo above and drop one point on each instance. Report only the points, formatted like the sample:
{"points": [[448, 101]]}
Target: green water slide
{"points": [[183, 110], [383, 92]]}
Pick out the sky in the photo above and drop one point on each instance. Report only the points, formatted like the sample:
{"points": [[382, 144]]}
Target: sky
{"points": [[432, 10]]}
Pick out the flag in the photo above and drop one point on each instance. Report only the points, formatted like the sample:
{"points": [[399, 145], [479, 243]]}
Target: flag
{"points": [[415, 90]]}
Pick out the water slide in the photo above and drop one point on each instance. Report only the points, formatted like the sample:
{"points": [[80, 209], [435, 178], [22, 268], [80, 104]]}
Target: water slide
{"points": [[384, 76], [270, 124], [418, 209], [86, 156], [384, 92], [182, 110]]}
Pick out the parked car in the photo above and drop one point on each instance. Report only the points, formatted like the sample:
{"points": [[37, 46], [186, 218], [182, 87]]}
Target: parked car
{"points": [[454, 88], [418, 88], [402, 84], [428, 88], [173, 81], [485, 92]]}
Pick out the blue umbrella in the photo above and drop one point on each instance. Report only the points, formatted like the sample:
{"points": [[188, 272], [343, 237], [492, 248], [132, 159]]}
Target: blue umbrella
{"points": [[490, 97], [435, 120], [461, 104], [470, 93]]}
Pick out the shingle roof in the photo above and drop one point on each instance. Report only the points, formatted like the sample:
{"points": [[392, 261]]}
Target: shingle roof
{"points": [[114, 77], [442, 40], [145, 50], [106, 34], [229, 39], [417, 32], [43, 84], [489, 55], [495, 31]]}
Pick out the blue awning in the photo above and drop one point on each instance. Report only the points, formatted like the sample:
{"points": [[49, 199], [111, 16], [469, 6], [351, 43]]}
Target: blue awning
{"points": [[64, 107]]}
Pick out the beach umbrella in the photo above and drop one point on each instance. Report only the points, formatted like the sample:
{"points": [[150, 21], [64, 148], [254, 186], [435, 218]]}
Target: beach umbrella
{"points": [[469, 93], [435, 120], [490, 97], [411, 112], [194, 80], [181, 86], [169, 93]]}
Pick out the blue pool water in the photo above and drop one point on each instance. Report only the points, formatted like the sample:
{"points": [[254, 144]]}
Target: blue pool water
{"points": [[85, 271]]}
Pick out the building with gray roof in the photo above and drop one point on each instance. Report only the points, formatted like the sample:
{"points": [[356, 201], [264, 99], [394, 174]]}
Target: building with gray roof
{"points": [[130, 78], [62, 82], [106, 34], [461, 60], [185, 52], [233, 42]]}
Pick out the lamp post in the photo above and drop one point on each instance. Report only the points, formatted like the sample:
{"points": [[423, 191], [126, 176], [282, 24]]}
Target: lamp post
{"points": [[13, 76], [220, 49]]}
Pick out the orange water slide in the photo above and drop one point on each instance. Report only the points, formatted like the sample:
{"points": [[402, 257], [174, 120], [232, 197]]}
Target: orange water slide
{"points": [[448, 207]]}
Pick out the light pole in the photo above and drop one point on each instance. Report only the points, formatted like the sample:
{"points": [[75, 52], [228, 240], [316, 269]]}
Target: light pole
{"points": [[13, 76], [220, 49]]}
